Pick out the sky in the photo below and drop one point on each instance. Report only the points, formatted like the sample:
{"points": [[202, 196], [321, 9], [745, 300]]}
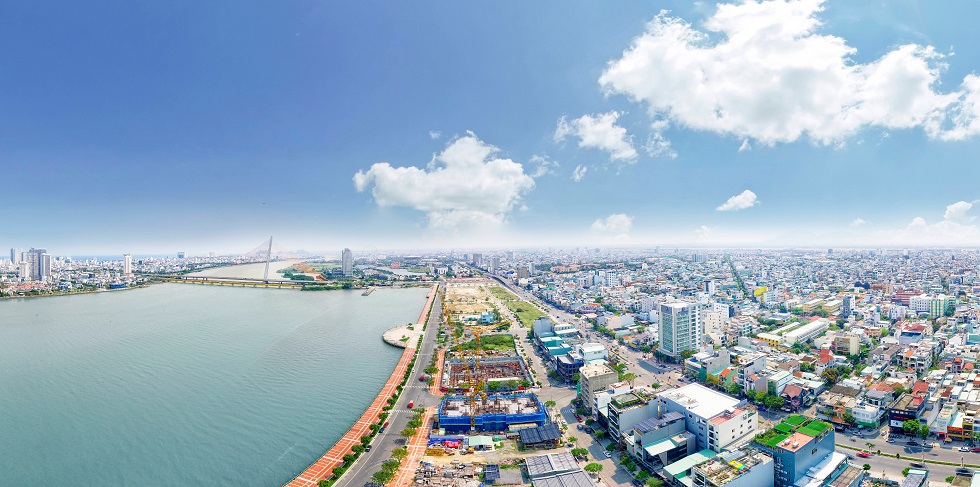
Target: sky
{"points": [[153, 127]]}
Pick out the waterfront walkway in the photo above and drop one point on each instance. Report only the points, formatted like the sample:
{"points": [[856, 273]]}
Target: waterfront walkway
{"points": [[333, 458]]}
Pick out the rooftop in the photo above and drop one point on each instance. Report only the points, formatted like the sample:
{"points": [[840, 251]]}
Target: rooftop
{"points": [[700, 400], [551, 464], [683, 465], [730, 465]]}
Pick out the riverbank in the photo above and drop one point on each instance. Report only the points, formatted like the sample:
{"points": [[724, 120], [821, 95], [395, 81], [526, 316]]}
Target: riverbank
{"points": [[334, 457], [76, 293], [400, 336]]}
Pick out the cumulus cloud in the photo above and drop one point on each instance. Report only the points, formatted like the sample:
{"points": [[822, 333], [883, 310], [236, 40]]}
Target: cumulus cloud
{"points": [[615, 223], [599, 132], [760, 70], [703, 233], [466, 184], [956, 227], [858, 222], [579, 173], [741, 201], [544, 166]]}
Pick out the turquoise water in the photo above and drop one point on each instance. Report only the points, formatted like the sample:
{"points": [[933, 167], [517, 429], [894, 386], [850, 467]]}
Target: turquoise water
{"points": [[188, 385]]}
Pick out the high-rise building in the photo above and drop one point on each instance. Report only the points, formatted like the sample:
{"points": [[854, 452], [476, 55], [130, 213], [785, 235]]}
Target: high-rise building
{"points": [[680, 328], [38, 266], [127, 264], [181, 255], [845, 308], [15, 256], [494, 264], [347, 262]]}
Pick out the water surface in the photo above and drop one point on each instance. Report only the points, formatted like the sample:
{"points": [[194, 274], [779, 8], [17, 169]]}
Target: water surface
{"points": [[182, 384]]}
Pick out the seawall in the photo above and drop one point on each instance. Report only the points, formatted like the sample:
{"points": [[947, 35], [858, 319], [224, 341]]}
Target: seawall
{"points": [[334, 457]]}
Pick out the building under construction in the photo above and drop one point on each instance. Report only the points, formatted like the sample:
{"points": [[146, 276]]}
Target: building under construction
{"points": [[506, 371], [493, 413]]}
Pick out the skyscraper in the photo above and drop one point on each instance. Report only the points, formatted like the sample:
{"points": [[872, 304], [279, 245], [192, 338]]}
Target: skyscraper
{"points": [[15, 256], [347, 262], [680, 328], [38, 266], [127, 264]]}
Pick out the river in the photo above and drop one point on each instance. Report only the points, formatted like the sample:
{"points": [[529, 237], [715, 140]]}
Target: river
{"points": [[180, 384]]}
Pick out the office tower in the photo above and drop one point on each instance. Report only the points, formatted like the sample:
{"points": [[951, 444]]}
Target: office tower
{"points": [[347, 262], [680, 328], [38, 266], [127, 264], [494, 264], [15, 256]]}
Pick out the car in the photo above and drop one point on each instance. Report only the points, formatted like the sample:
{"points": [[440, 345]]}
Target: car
{"points": [[975, 450], [963, 448], [964, 471], [916, 465], [864, 454], [607, 454]]}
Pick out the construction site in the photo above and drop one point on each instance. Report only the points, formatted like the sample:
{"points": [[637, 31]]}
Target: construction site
{"points": [[490, 413], [509, 373]]}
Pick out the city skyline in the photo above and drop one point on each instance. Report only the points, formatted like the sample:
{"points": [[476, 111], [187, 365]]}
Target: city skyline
{"points": [[213, 126]]}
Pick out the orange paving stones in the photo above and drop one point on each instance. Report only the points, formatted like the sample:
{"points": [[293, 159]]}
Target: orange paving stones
{"points": [[416, 450], [436, 388], [323, 467]]}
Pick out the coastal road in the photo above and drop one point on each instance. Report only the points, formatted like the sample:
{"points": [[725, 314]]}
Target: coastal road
{"points": [[384, 443]]}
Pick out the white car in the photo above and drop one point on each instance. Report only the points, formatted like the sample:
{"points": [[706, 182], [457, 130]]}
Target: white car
{"points": [[607, 454]]}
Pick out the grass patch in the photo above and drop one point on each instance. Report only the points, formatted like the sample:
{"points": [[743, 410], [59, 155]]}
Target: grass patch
{"points": [[526, 312], [497, 343], [771, 438], [502, 294]]}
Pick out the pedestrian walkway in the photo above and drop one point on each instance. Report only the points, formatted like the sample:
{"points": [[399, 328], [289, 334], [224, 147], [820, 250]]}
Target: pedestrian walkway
{"points": [[416, 450], [436, 388]]}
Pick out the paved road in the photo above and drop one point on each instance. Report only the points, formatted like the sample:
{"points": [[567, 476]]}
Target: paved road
{"points": [[384, 443]]}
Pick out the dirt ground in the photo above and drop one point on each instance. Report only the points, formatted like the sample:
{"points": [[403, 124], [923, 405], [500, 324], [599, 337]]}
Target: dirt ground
{"points": [[466, 299], [506, 454]]}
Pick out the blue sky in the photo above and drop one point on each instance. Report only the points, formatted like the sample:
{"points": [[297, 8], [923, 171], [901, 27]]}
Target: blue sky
{"points": [[207, 126]]}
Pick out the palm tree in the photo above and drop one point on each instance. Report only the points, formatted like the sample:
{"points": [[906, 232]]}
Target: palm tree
{"points": [[572, 439]]}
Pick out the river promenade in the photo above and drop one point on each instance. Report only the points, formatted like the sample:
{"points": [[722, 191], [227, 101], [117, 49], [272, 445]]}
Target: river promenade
{"points": [[334, 457]]}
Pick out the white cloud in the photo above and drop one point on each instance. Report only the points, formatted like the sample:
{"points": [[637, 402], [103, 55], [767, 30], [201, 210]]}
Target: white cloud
{"points": [[434, 134], [599, 132], [579, 173], [956, 228], [745, 146], [858, 222], [465, 184], [760, 70], [703, 232], [741, 201], [615, 223], [544, 165], [657, 145]]}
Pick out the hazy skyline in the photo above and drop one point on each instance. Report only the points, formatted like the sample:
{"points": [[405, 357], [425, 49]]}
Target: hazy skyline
{"points": [[207, 127]]}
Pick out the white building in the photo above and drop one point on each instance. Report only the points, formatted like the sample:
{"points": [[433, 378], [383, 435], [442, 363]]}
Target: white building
{"points": [[127, 264], [718, 420], [680, 328], [347, 263]]}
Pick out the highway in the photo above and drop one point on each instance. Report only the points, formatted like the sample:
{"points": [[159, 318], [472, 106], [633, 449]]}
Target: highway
{"points": [[384, 443]]}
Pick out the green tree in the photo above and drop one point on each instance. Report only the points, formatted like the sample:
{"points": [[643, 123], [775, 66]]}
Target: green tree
{"points": [[323, 483], [686, 354], [550, 404], [580, 452], [735, 389], [627, 377], [611, 447], [642, 475], [924, 430], [409, 432], [911, 426], [391, 465], [572, 439], [357, 448], [383, 477], [400, 453], [655, 385], [807, 367], [654, 482], [712, 381], [849, 418], [593, 468], [950, 479], [866, 466]]}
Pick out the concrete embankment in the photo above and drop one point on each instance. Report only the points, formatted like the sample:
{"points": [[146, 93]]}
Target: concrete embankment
{"points": [[400, 336], [323, 467]]}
